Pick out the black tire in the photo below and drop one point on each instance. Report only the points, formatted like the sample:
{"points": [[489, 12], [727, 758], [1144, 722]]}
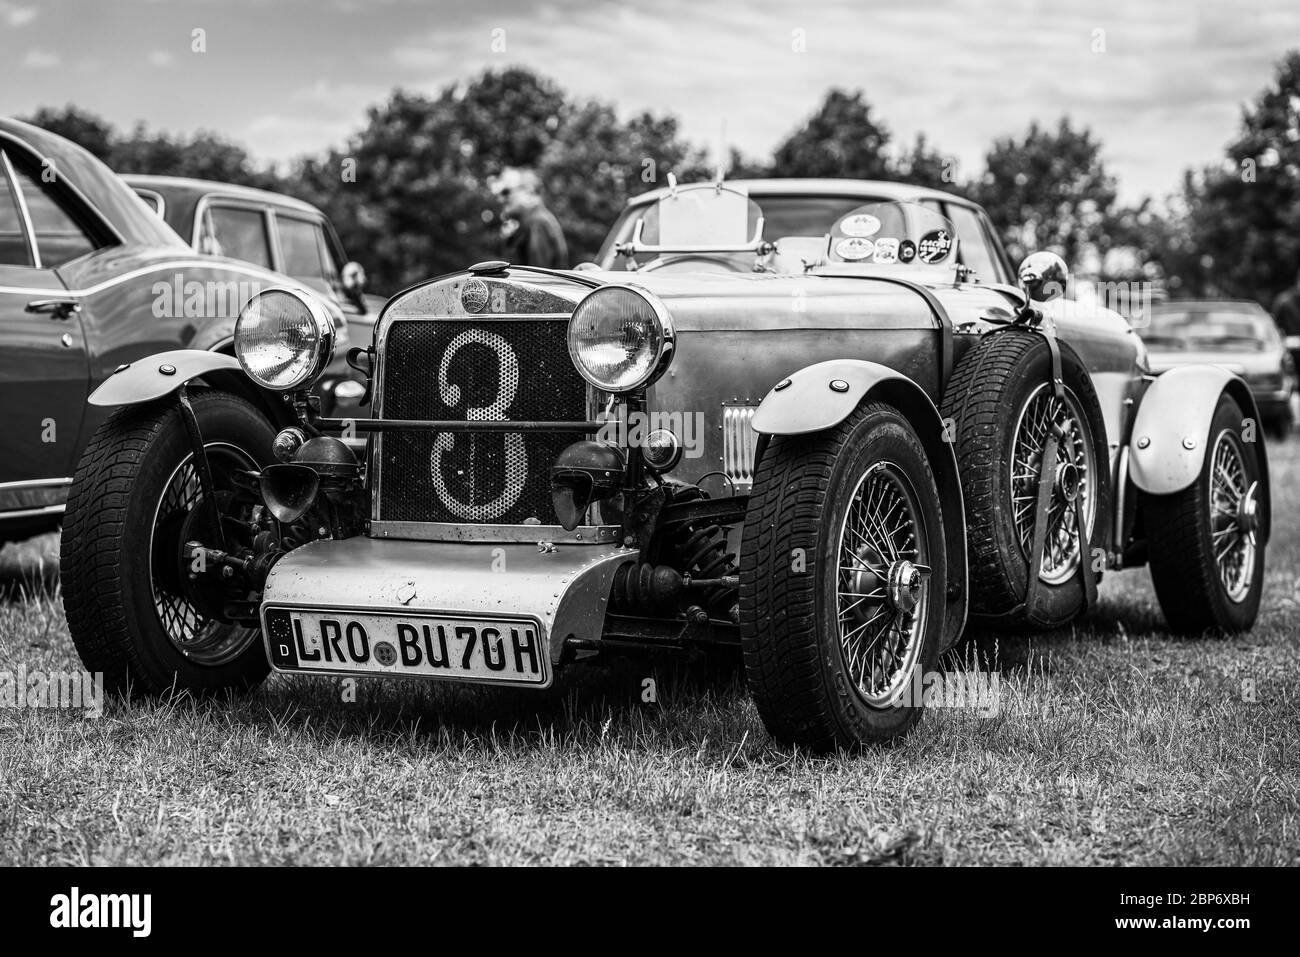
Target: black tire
{"points": [[1187, 576], [790, 610], [1003, 377], [107, 566]]}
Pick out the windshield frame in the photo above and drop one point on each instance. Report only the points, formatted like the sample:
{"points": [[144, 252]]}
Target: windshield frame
{"points": [[834, 193]]}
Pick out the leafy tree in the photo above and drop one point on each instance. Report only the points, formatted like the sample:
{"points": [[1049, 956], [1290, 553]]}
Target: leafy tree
{"points": [[404, 192], [598, 163], [419, 204], [1243, 216], [740, 166], [924, 166], [1049, 190], [203, 155], [84, 128], [841, 139]]}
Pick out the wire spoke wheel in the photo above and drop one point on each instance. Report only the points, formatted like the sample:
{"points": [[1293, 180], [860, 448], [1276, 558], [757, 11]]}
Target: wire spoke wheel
{"points": [[843, 581], [882, 580], [1207, 540], [196, 635], [1233, 512], [1073, 477]]}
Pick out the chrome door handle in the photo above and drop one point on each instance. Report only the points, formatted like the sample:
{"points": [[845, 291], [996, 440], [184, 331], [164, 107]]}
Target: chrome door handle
{"points": [[57, 308]]}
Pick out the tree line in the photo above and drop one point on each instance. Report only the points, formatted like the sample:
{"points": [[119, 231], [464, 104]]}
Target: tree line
{"points": [[409, 193]]}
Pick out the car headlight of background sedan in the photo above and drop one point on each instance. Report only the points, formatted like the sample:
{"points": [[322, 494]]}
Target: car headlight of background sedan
{"points": [[284, 339], [621, 338]]}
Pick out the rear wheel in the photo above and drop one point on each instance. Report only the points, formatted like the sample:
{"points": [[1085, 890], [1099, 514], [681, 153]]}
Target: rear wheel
{"points": [[133, 612], [1206, 547], [843, 574]]}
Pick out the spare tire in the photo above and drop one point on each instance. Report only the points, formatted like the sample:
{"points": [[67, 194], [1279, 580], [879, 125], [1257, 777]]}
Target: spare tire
{"points": [[998, 409]]}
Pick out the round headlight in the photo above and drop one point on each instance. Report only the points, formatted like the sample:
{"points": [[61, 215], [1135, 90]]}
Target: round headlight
{"points": [[284, 339], [620, 338]]}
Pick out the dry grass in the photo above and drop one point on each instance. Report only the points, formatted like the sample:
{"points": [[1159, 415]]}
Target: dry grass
{"points": [[1115, 743]]}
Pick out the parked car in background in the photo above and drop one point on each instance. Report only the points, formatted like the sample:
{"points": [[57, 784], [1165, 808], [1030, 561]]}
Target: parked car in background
{"points": [[276, 232], [90, 281], [1239, 336]]}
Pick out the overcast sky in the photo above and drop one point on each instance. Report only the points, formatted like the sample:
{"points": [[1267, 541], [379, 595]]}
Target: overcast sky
{"points": [[291, 76]]}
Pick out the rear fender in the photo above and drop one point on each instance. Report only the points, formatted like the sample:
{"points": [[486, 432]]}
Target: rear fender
{"points": [[821, 396], [1171, 434]]}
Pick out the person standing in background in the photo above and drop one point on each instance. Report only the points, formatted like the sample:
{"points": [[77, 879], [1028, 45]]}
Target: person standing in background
{"points": [[537, 239]]}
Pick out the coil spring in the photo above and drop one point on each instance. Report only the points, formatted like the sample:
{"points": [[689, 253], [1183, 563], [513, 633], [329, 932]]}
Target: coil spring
{"points": [[703, 553]]}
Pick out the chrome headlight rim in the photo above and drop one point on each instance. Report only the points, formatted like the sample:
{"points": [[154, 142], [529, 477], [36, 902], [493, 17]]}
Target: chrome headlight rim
{"points": [[322, 326], [663, 354]]}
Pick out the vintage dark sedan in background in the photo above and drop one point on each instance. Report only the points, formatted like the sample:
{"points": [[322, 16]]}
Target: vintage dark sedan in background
{"points": [[90, 280], [276, 232], [813, 438], [1239, 336]]}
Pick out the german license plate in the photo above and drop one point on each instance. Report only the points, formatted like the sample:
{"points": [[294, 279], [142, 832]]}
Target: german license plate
{"points": [[502, 651]]}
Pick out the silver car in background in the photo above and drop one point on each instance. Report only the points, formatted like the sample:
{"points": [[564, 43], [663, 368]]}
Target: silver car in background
{"points": [[1241, 337]]}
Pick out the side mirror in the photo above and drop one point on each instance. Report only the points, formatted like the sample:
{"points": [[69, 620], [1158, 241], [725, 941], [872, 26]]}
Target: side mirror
{"points": [[1044, 276], [354, 278]]}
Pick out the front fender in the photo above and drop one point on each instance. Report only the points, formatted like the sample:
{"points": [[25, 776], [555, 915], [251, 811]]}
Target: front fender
{"points": [[822, 396], [819, 396], [158, 375], [1176, 412]]}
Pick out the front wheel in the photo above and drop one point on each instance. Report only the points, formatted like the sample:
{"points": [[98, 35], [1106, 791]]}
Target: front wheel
{"points": [[1207, 541], [134, 503], [843, 575]]}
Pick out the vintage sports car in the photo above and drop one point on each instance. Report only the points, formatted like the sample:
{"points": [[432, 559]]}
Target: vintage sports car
{"points": [[276, 232], [1241, 337], [90, 280], [828, 448]]}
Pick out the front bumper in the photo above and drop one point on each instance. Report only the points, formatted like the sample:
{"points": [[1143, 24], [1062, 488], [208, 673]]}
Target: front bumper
{"points": [[565, 590]]}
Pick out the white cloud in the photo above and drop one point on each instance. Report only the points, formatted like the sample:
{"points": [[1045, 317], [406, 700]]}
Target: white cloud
{"points": [[950, 68], [38, 59], [317, 116], [16, 16]]}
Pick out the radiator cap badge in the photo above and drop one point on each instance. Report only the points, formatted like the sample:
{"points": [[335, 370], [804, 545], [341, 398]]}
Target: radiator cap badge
{"points": [[474, 294], [489, 267]]}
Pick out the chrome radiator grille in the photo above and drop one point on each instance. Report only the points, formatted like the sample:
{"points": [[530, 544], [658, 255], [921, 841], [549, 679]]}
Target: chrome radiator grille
{"points": [[475, 370]]}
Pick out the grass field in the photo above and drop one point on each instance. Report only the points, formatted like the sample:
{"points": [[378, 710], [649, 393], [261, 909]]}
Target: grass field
{"points": [[1114, 743]]}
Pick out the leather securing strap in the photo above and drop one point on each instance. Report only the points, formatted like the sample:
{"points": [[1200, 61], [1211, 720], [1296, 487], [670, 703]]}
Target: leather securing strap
{"points": [[1054, 350], [1085, 558], [1030, 319], [1046, 478]]}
